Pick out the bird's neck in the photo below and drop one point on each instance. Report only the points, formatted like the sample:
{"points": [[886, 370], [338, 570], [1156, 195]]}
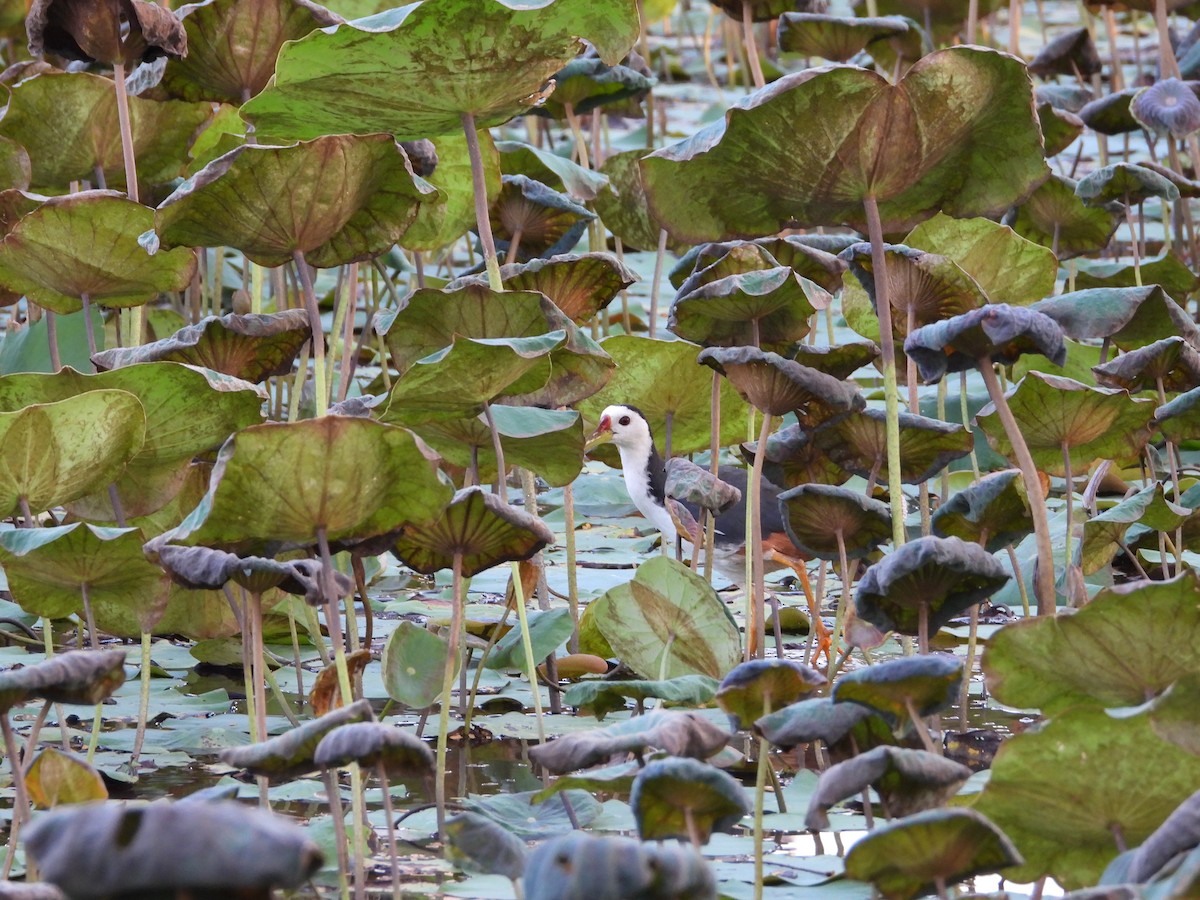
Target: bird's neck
{"points": [[646, 480]]}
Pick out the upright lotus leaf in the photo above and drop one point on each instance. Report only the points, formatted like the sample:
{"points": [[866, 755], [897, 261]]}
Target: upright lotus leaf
{"points": [[929, 850], [548, 442], [478, 843], [282, 483], [252, 347], [203, 568], [68, 124], [1110, 114], [411, 76], [903, 688], [1007, 267], [1168, 106], [841, 361], [766, 308], [907, 781], [836, 38], [59, 778], [565, 869], [1110, 653], [601, 697], [1056, 217], [823, 519], [1172, 713], [686, 799], [588, 82], [777, 386], [807, 260], [999, 332], [1166, 270], [706, 263], [372, 745], [1060, 416], [1129, 317], [463, 378], [476, 525], [858, 443], [754, 688], [87, 244], [794, 458], [668, 621], [232, 46], [698, 486], [622, 205], [1104, 535], [993, 512], [1068, 96], [336, 199], [819, 718], [99, 849], [578, 369], [117, 32], [1179, 419], [1172, 364], [662, 379], [49, 571], [924, 584], [413, 662], [1060, 128], [537, 219], [290, 754], [544, 165], [1125, 182], [1064, 792], [1070, 53], [916, 148], [53, 453], [76, 677]]}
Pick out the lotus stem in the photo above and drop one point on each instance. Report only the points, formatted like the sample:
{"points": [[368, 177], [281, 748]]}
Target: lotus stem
{"points": [[332, 619], [656, 285], [883, 309], [89, 324], [482, 222], [1044, 580], [498, 449], [965, 412], [923, 627], [258, 662], [390, 812], [751, 45], [1133, 243], [920, 727], [972, 20], [456, 624], [52, 340], [527, 645], [514, 247], [318, 334], [843, 612], [760, 789], [581, 150], [339, 830], [143, 698], [968, 666], [757, 621], [1168, 66]]}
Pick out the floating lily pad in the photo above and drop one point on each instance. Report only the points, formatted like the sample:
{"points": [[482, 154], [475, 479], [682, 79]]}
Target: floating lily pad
{"points": [[823, 519], [565, 868], [290, 754], [753, 688], [928, 683], [686, 799], [76, 677], [603, 697]]}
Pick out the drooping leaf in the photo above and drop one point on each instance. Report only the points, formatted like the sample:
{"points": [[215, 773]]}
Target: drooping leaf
{"points": [[994, 510], [565, 869], [929, 683], [56, 778], [486, 846], [818, 516], [836, 38], [374, 745], [291, 754], [79, 677], [1130, 317], [547, 632], [998, 331], [777, 386], [858, 443], [1055, 217], [686, 799], [1105, 533]]}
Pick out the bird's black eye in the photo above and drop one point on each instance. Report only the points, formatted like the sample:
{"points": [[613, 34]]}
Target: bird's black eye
{"points": [[624, 420]]}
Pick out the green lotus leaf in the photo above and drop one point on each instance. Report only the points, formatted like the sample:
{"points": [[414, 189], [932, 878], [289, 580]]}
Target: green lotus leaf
{"points": [[706, 263], [76, 677], [1104, 534], [662, 379], [413, 662], [837, 38], [440, 222], [1062, 416], [793, 459], [15, 166], [1007, 267], [461, 379], [807, 260], [686, 799], [567, 866], [1178, 834], [816, 719], [668, 621], [540, 220], [359, 196], [480, 844], [1069, 52], [578, 369], [580, 285], [1125, 182], [1142, 536], [841, 361], [760, 10], [1166, 270], [53, 453], [915, 147], [1111, 114], [68, 124], [1172, 364], [602, 697], [907, 858], [550, 169], [290, 754], [249, 347], [87, 243], [546, 441], [752, 689], [907, 781], [49, 569], [761, 308], [777, 386], [1179, 419], [1056, 217], [548, 631], [418, 69], [943, 14], [1128, 317], [1060, 129], [375, 746], [1110, 653], [58, 778], [998, 332], [678, 733], [822, 520], [588, 83], [926, 684], [232, 46], [281, 483], [993, 512], [858, 443], [1173, 713], [477, 529], [1063, 791], [623, 205]]}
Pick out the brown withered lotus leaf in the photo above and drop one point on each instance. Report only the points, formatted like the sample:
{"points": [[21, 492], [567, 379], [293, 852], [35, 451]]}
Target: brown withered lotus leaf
{"points": [[778, 386], [232, 45], [858, 443], [1172, 360], [1072, 52], [105, 31], [251, 347], [83, 677]]}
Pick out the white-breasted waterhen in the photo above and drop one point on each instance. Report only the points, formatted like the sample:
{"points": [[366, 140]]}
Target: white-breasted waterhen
{"points": [[645, 480]]}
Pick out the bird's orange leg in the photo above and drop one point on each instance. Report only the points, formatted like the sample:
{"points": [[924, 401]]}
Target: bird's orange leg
{"points": [[823, 636]]}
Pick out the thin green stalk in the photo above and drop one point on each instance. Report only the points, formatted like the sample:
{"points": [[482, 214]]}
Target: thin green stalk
{"points": [[756, 538], [527, 646], [143, 698], [321, 388], [572, 571], [456, 624], [760, 789]]}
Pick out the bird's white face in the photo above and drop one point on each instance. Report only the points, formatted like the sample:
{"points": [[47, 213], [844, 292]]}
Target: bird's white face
{"points": [[627, 428]]}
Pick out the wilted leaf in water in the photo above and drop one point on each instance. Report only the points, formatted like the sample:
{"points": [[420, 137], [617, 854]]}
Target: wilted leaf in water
{"points": [[77, 677], [753, 687], [686, 799], [601, 697], [668, 621], [565, 869], [522, 814], [291, 754], [413, 662], [101, 849], [941, 846], [479, 844], [56, 778]]}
